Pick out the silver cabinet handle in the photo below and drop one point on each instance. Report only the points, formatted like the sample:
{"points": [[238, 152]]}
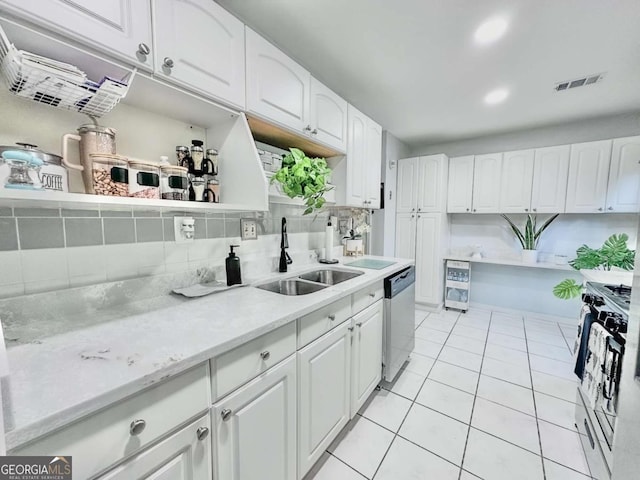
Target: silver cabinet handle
{"points": [[600, 209], [202, 433], [314, 131], [143, 49], [526, 209], [137, 427], [467, 209], [372, 295], [359, 324], [474, 209], [307, 128], [167, 62], [226, 414], [610, 208], [535, 209], [350, 329], [332, 317], [265, 355], [413, 216], [413, 209]]}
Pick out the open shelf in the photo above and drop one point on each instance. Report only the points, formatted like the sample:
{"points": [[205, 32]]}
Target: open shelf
{"points": [[511, 262]]}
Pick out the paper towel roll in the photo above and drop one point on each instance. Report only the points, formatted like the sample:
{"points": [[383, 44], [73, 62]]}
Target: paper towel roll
{"points": [[328, 242]]}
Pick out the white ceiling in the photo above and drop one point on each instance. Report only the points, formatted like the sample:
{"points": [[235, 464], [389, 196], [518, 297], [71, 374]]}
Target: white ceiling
{"points": [[413, 66]]}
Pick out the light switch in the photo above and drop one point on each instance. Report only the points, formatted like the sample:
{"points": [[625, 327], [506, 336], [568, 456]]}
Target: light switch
{"points": [[248, 229]]}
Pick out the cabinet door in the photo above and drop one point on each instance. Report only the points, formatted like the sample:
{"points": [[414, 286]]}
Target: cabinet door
{"points": [[588, 176], [255, 428], [366, 356], [205, 44], [460, 184], [486, 181], [185, 455], [429, 262], [550, 172], [121, 28], [356, 157], [432, 181], [516, 181], [373, 164], [324, 376], [277, 87], [406, 235], [623, 191], [407, 185], [328, 116]]}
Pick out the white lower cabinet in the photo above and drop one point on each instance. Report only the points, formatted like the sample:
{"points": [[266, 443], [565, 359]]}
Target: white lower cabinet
{"points": [[185, 455], [406, 235], [324, 376], [255, 428]]}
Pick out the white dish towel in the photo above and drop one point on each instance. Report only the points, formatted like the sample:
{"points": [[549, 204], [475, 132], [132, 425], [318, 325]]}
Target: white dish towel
{"points": [[594, 375]]}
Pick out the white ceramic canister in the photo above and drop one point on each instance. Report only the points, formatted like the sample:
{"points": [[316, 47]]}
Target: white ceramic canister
{"points": [[53, 176], [144, 179]]}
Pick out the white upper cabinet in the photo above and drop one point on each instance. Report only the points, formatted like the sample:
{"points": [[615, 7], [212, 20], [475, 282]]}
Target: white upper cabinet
{"points": [[549, 190], [277, 87], [406, 185], [623, 192], [201, 45], [328, 116], [121, 28], [356, 158], [373, 164], [588, 177], [516, 181], [432, 183], [406, 235], [460, 191], [486, 183]]}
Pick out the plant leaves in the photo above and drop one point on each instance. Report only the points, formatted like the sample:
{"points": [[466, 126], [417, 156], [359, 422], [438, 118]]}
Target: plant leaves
{"points": [[567, 289], [516, 230]]}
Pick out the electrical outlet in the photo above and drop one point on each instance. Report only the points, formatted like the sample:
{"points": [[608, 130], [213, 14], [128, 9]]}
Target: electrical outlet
{"points": [[184, 229], [248, 229]]}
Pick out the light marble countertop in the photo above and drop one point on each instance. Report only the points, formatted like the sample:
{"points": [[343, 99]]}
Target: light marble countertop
{"points": [[71, 375]]}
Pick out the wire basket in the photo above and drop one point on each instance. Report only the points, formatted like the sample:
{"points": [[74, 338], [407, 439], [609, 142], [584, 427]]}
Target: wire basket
{"points": [[57, 84]]}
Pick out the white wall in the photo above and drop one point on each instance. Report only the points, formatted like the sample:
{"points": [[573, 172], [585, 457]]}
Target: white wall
{"points": [[574, 132]]}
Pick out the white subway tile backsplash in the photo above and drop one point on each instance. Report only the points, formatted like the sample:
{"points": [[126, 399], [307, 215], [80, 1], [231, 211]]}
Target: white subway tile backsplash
{"points": [[46, 285], [86, 261], [46, 264], [150, 258], [11, 290], [10, 268], [120, 261]]}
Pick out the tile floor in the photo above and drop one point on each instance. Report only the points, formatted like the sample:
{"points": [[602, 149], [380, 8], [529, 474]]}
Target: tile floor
{"points": [[486, 395]]}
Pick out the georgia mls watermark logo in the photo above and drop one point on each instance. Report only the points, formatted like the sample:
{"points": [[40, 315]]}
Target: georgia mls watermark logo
{"points": [[35, 468]]}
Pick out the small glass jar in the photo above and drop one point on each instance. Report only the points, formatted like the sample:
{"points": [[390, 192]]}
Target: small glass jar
{"points": [[144, 179], [182, 155], [197, 156], [110, 174], [198, 190], [174, 184], [212, 156], [213, 189]]}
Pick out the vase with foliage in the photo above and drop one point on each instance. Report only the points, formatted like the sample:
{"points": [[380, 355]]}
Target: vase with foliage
{"points": [[613, 253], [304, 177], [529, 236]]}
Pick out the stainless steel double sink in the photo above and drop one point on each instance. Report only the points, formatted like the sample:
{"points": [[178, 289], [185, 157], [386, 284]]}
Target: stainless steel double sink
{"points": [[310, 282]]}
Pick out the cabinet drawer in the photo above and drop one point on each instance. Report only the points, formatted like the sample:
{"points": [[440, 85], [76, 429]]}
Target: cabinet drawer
{"points": [[247, 361], [106, 437], [318, 323], [367, 296]]}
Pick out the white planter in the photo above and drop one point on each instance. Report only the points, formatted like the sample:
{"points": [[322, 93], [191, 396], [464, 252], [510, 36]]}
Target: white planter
{"points": [[529, 256]]}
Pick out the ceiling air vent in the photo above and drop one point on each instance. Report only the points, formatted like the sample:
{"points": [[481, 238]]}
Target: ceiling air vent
{"points": [[579, 82]]}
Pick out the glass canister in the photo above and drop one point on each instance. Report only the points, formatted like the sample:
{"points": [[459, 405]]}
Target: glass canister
{"points": [[182, 155], [144, 179], [110, 174], [198, 191], [213, 191], [212, 156], [174, 184]]}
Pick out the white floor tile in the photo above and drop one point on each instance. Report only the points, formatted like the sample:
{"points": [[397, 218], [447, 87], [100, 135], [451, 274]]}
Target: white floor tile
{"points": [[419, 364], [512, 331], [562, 446], [493, 459], [470, 332], [552, 367], [362, 446], [420, 316], [454, 376], [427, 348], [386, 409], [507, 341], [507, 371], [555, 339], [330, 468], [435, 336], [461, 358], [465, 343], [445, 399], [509, 318], [547, 328], [558, 472], [467, 476], [406, 384], [437, 433], [508, 355], [474, 322], [557, 411], [406, 461], [437, 323], [507, 394], [507, 424], [550, 351], [555, 386]]}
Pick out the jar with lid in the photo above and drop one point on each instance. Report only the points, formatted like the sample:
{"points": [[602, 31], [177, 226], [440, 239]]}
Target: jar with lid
{"points": [[198, 191], [182, 156], [110, 174], [174, 184], [144, 179], [212, 156], [213, 189]]}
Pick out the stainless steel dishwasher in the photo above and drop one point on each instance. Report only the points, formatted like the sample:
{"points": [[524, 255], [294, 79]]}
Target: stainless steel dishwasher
{"points": [[399, 321]]}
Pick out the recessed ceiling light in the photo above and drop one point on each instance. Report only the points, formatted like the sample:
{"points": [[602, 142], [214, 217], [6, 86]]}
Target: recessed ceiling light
{"points": [[490, 31], [496, 96]]}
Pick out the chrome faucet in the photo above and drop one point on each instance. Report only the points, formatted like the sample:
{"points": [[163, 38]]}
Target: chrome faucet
{"points": [[285, 259]]}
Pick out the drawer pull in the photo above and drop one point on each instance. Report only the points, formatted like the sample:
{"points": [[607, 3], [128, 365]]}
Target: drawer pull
{"points": [[332, 317], [137, 427], [265, 355], [589, 436], [226, 414], [359, 324], [143, 49], [202, 433], [167, 62], [372, 295], [350, 329]]}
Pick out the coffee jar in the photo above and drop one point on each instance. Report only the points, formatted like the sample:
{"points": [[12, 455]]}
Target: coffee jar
{"points": [[110, 175], [144, 179], [213, 191], [174, 183]]}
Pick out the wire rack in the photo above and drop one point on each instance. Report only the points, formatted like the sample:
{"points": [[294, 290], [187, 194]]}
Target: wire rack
{"points": [[58, 84]]}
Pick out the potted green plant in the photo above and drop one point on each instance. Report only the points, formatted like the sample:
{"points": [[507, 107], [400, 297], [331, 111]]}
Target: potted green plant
{"points": [[530, 236], [304, 177], [613, 253]]}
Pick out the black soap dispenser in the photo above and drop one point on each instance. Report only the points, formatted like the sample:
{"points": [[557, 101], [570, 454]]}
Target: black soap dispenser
{"points": [[233, 267]]}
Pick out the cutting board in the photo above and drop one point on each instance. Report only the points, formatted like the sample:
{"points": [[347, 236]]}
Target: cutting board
{"points": [[370, 263]]}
